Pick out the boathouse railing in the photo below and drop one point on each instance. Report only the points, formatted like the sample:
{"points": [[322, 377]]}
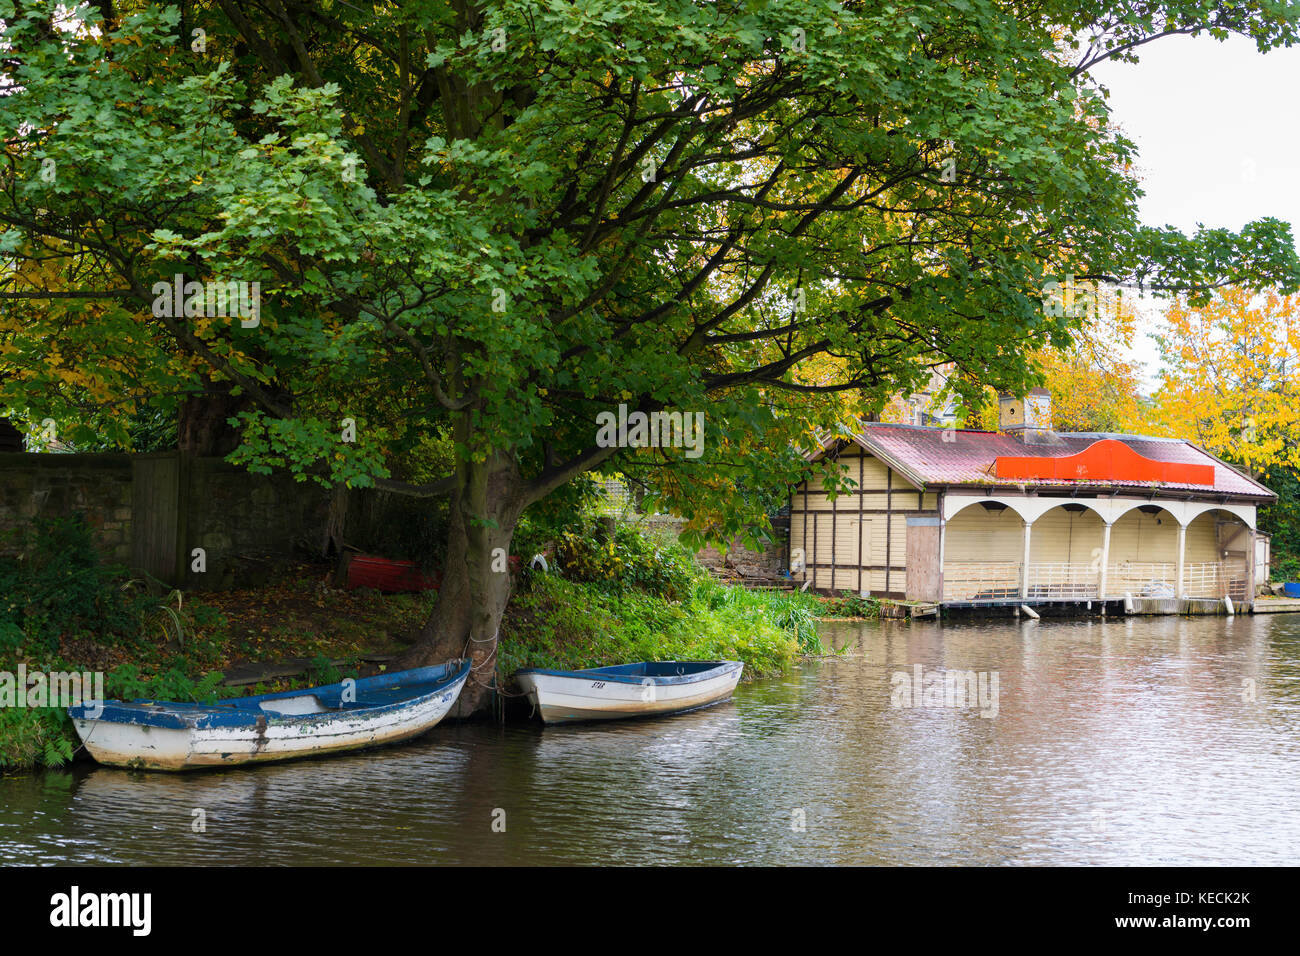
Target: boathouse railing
{"points": [[981, 580], [1207, 579], [1155, 579], [1062, 581], [1072, 581]]}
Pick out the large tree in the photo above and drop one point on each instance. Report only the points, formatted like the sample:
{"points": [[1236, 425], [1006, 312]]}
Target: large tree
{"points": [[507, 218]]}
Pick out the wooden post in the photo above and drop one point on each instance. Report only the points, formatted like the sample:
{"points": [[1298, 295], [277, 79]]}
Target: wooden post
{"points": [[159, 501], [862, 474], [1180, 589], [889, 521], [789, 534], [1105, 560], [184, 475], [808, 563]]}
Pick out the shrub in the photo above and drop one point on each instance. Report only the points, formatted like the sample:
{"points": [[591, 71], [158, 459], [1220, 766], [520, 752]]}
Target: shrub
{"points": [[57, 585], [44, 736], [35, 736], [127, 683], [626, 560], [849, 604]]}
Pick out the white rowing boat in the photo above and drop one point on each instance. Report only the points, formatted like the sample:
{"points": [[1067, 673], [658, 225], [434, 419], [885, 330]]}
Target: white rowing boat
{"points": [[645, 689], [350, 715]]}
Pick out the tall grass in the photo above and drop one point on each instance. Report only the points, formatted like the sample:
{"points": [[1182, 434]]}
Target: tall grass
{"points": [[570, 625], [794, 612]]}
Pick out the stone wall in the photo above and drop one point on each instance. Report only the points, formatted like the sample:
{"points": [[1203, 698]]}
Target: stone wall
{"points": [[238, 517], [738, 561], [243, 521], [99, 486], [223, 509]]}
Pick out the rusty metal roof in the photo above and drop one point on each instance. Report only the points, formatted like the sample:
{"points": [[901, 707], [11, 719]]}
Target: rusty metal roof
{"points": [[948, 456]]}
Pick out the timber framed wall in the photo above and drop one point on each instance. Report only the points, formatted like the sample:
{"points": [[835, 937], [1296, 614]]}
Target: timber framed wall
{"points": [[858, 542]]}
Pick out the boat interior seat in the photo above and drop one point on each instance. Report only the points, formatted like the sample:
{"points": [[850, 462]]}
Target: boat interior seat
{"points": [[332, 698], [659, 668], [320, 699], [384, 695]]}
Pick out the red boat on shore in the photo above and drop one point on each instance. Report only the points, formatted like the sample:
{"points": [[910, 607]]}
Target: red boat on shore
{"points": [[387, 574]]}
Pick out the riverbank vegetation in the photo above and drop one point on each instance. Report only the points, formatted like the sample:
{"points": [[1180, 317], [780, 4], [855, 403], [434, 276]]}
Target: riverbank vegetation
{"points": [[605, 599]]}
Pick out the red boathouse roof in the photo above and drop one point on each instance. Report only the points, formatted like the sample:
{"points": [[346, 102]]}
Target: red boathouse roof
{"points": [[930, 456]]}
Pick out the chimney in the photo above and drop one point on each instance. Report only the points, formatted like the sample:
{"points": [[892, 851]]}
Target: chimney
{"points": [[1029, 418]]}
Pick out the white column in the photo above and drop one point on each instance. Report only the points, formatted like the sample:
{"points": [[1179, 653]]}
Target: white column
{"points": [[1180, 589], [1024, 564], [1250, 567], [1105, 560], [943, 535]]}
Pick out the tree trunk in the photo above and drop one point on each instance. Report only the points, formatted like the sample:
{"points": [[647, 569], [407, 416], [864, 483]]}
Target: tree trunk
{"points": [[476, 580], [202, 430]]}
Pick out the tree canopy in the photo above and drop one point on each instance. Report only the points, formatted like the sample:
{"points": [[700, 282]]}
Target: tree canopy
{"points": [[495, 221]]}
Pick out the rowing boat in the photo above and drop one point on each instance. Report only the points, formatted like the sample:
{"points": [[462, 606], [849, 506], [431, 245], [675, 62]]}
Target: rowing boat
{"points": [[643, 689], [350, 715]]}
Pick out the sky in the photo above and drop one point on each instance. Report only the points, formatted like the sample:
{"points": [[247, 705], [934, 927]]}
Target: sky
{"points": [[1217, 125]]}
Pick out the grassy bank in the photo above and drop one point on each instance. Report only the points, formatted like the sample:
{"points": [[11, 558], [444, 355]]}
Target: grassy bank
{"points": [[568, 625]]}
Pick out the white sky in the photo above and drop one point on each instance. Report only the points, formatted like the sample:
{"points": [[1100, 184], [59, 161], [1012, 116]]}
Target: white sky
{"points": [[1217, 127]]}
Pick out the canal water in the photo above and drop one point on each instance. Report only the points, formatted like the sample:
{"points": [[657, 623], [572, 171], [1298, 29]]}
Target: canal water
{"points": [[1132, 741]]}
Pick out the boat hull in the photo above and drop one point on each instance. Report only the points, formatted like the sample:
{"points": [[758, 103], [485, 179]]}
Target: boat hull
{"points": [[570, 697], [271, 736]]}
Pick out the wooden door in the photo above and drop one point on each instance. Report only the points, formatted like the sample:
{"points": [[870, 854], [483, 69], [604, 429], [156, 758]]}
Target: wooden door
{"points": [[924, 573]]}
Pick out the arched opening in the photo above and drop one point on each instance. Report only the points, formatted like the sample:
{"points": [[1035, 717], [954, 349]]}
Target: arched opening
{"points": [[1217, 556], [1065, 554], [1144, 553], [981, 553]]}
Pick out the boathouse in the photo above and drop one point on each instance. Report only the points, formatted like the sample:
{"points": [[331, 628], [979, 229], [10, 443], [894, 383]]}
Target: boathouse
{"points": [[1026, 515]]}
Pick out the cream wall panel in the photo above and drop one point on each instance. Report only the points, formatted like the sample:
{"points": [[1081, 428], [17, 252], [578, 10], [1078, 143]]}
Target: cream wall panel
{"points": [[874, 548], [846, 540], [823, 523], [874, 581], [847, 579], [1202, 539], [875, 475], [1062, 536], [979, 535], [1144, 538], [898, 543]]}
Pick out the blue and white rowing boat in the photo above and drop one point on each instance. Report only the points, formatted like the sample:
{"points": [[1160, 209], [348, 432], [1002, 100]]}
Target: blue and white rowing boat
{"points": [[159, 735], [644, 689]]}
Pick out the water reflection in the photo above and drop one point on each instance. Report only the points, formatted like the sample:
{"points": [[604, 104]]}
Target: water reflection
{"points": [[1129, 741]]}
